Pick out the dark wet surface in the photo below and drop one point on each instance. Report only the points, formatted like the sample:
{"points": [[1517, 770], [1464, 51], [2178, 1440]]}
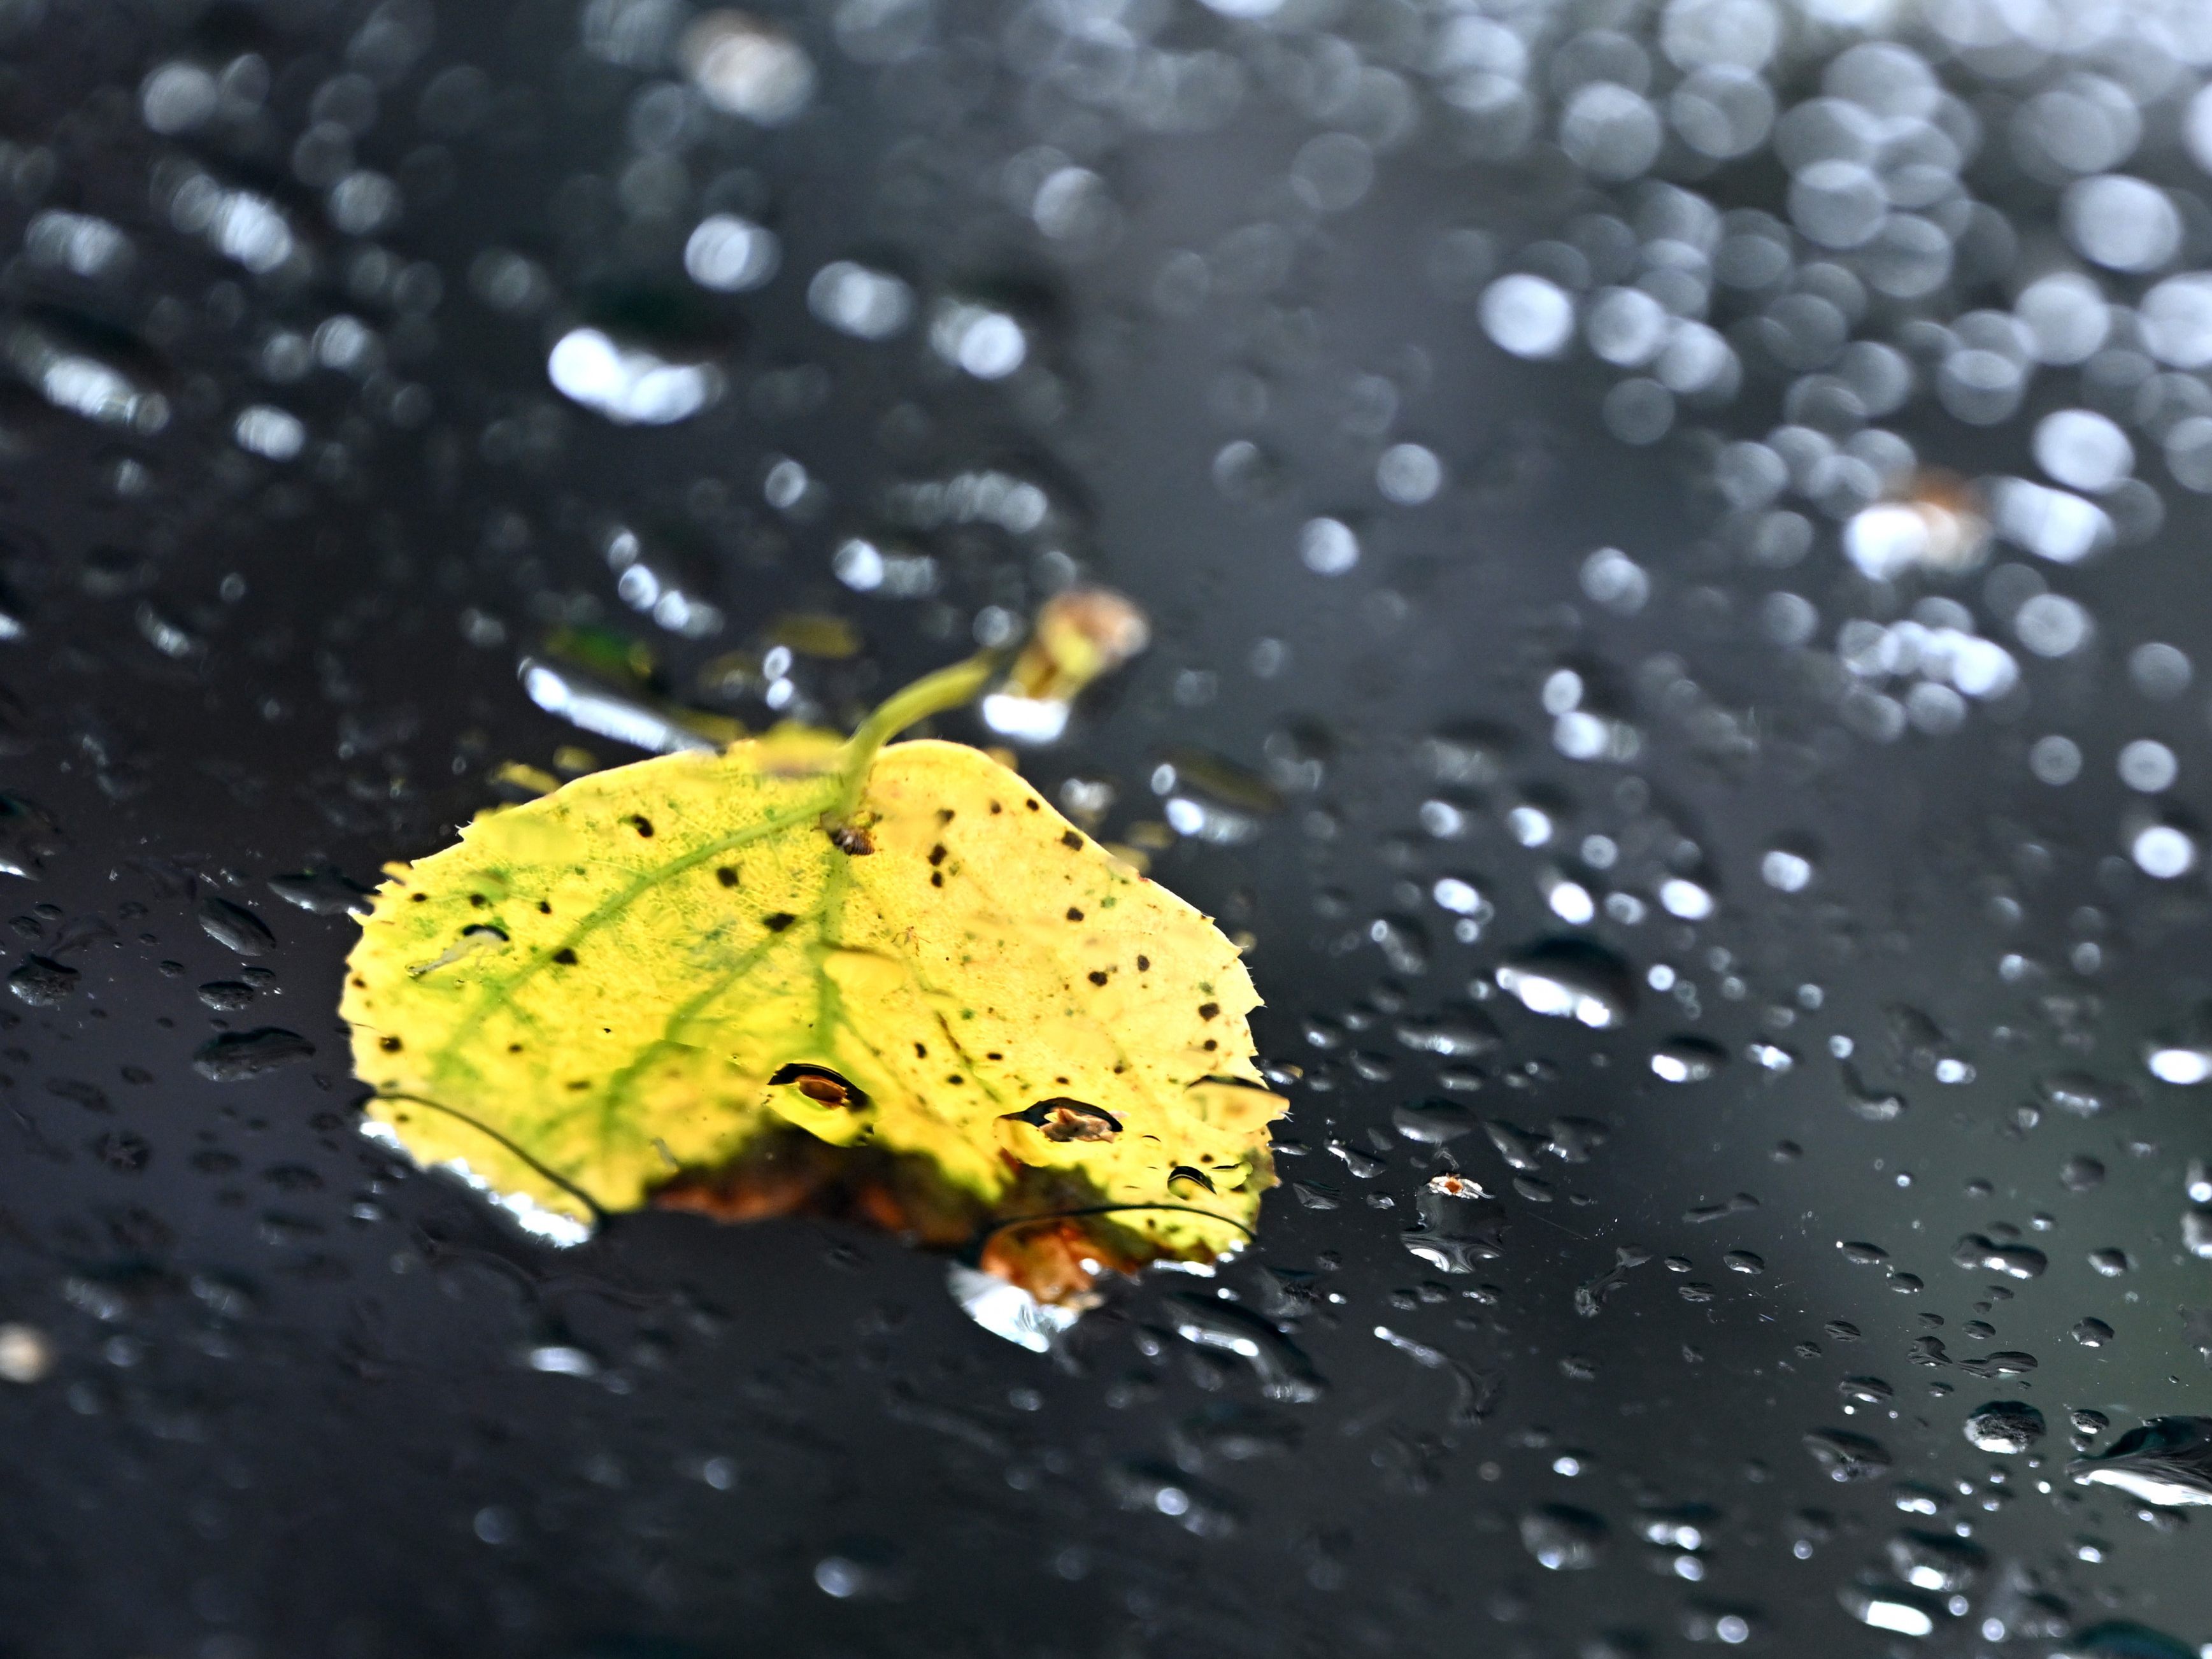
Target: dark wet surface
{"points": [[1741, 1359]]}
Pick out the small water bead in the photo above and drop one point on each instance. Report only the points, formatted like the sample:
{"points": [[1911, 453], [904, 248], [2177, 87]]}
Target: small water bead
{"points": [[1697, 358], [1610, 132], [1567, 979], [2052, 625], [731, 255], [1530, 825], [1789, 619], [1739, 34], [1612, 579], [1838, 202], [1639, 411], [1567, 899], [2189, 453], [1327, 546], [1980, 385], [1627, 326], [269, 432], [1409, 474], [2177, 321], [746, 67], [2007, 1427], [177, 97], [627, 383], [1528, 315], [1936, 710], [2083, 450], [1825, 129], [2164, 851], [2121, 223], [2148, 766], [979, 340], [1908, 256], [1333, 171], [2067, 316], [2086, 124], [1686, 1060], [1562, 1538], [2052, 524], [2161, 671], [27, 1354], [79, 243], [1905, 1612], [1771, 1057], [868, 305], [1691, 901], [1722, 111]]}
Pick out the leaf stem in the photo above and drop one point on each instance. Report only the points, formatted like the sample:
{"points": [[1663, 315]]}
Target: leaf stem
{"points": [[932, 694]]}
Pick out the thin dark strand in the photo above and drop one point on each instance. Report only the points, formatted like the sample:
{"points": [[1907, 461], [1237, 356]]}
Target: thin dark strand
{"points": [[598, 1213]]}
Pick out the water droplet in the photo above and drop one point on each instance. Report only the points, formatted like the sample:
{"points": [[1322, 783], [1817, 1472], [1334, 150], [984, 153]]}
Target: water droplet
{"points": [[241, 1057], [1563, 1538], [854, 300], [1327, 546], [1569, 979], [746, 67], [628, 383], [1846, 1456], [731, 255], [2166, 1462], [1686, 1060], [2006, 1426], [1528, 316], [1977, 1253]]}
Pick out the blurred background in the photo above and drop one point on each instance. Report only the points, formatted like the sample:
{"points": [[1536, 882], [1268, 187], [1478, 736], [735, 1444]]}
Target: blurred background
{"points": [[1674, 539]]}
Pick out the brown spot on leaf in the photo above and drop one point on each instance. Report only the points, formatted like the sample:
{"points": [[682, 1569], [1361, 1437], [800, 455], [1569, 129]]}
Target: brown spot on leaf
{"points": [[1097, 976], [565, 956], [1075, 914], [936, 854], [1071, 838], [779, 922], [1208, 1010], [642, 824], [390, 1045], [1062, 1119], [726, 875], [821, 1085]]}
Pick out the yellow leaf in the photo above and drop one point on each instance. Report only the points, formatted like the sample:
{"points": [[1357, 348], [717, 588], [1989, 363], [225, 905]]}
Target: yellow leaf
{"points": [[689, 979]]}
